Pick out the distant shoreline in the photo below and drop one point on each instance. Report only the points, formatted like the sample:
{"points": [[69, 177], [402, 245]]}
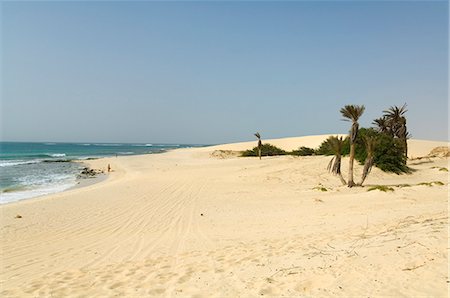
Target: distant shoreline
{"points": [[31, 169]]}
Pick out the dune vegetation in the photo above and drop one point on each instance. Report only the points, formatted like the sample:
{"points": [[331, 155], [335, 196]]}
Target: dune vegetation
{"points": [[384, 145]]}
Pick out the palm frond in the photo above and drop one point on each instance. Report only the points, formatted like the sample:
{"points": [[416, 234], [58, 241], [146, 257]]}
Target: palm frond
{"points": [[381, 124], [330, 164], [396, 121], [336, 144], [334, 166], [395, 112], [352, 112]]}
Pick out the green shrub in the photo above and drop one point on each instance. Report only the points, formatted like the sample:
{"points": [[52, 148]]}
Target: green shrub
{"points": [[431, 183], [267, 150], [383, 188], [440, 169], [388, 153], [303, 151], [320, 188], [325, 149]]}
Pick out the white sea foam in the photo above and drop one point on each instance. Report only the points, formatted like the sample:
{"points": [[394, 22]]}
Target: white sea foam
{"points": [[107, 145], [37, 185], [142, 145], [173, 145], [9, 197], [42, 180], [10, 163], [56, 154]]}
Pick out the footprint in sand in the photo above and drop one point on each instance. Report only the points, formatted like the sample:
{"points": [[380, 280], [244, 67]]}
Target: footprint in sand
{"points": [[269, 291], [116, 285], [184, 278], [156, 292]]}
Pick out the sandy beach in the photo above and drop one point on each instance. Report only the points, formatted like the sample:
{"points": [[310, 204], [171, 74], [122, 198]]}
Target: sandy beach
{"points": [[202, 222]]}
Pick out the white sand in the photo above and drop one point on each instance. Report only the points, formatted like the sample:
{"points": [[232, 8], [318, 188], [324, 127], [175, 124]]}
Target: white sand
{"points": [[265, 230]]}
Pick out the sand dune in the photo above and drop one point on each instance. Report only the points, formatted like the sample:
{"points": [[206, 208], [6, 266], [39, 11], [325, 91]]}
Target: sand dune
{"points": [[417, 148], [183, 223], [284, 143]]}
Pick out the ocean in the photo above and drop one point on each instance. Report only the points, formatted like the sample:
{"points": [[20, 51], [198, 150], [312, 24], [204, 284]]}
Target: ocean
{"points": [[29, 170]]}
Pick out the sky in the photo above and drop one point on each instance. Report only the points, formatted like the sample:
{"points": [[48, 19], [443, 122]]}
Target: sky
{"points": [[217, 72]]}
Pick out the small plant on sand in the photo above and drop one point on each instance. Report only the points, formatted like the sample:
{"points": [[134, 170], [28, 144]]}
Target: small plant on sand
{"points": [[383, 188], [403, 185], [440, 169], [320, 187], [431, 183]]}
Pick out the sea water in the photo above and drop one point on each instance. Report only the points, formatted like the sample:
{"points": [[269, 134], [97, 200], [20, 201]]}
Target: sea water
{"points": [[28, 170]]}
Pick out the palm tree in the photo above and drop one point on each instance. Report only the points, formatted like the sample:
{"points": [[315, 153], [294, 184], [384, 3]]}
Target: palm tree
{"points": [[259, 144], [334, 166], [352, 113], [382, 125], [396, 120], [370, 142]]}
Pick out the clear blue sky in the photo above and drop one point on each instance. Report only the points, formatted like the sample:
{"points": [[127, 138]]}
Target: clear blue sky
{"points": [[213, 72]]}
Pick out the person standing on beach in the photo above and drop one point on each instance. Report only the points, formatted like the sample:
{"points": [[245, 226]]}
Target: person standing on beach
{"points": [[109, 168]]}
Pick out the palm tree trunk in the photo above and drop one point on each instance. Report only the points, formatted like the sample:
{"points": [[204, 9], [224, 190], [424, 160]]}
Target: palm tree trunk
{"points": [[342, 179], [335, 168], [367, 167], [259, 148], [338, 170], [351, 183], [405, 144]]}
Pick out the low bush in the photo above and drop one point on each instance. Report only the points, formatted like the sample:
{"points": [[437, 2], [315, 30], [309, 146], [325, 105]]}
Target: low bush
{"points": [[383, 188], [325, 148], [303, 151], [266, 150], [388, 152], [320, 188], [431, 183]]}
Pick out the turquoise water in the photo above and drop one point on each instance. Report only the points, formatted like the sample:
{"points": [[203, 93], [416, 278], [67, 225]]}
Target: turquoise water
{"points": [[29, 170]]}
